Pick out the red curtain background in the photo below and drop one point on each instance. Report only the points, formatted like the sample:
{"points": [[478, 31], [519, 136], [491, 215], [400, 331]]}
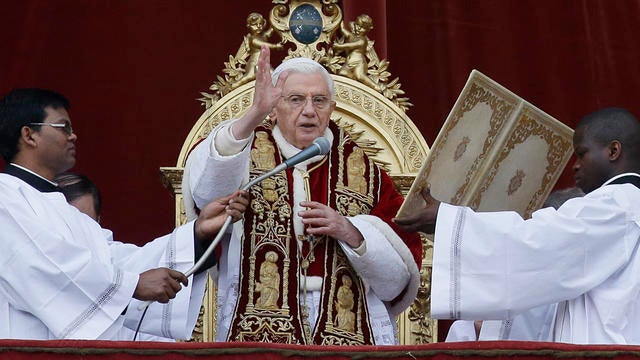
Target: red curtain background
{"points": [[133, 70]]}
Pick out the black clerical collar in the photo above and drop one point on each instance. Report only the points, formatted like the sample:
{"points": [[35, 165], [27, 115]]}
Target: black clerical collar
{"points": [[632, 179], [30, 178]]}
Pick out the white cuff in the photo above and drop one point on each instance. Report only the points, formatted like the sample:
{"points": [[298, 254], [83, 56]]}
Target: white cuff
{"points": [[361, 249], [226, 144]]}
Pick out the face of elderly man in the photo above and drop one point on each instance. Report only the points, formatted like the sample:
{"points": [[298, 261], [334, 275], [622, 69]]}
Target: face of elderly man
{"points": [[304, 110]]}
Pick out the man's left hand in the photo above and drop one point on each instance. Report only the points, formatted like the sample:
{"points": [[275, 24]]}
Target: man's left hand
{"points": [[424, 219], [320, 219], [214, 214]]}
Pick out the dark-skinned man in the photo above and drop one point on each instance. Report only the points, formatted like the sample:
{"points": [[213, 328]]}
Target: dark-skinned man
{"points": [[491, 265]]}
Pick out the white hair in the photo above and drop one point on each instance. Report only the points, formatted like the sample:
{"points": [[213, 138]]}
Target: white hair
{"points": [[305, 66]]}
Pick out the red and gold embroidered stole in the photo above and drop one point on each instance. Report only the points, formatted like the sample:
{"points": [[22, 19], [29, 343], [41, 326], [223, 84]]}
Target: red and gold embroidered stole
{"points": [[269, 307]]}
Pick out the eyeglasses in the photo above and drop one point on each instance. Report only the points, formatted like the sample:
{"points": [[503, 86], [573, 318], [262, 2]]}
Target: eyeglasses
{"points": [[296, 101], [65, 126]]}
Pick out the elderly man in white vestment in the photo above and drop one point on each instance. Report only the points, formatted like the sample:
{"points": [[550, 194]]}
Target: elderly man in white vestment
{"points": [[583, 256], [344, 270], [61, 275]]}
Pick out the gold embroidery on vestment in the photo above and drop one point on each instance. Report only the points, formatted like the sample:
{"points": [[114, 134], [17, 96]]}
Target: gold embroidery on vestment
{"points": [[356, 197], [271, 304], [268, 318], [341, 308], [345, 318], [269, 284], [263, 154], [355, 172]]}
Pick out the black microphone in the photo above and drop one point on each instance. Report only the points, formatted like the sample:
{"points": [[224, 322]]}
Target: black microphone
{"points": [[320, 146]]}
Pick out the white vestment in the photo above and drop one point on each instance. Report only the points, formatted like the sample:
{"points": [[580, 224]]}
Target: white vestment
{"points": [[63, 277], [584, 256], [531, 325], [462, 330], [386, 267]]}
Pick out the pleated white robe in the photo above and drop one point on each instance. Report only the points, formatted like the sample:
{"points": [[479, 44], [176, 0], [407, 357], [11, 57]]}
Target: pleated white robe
{"points": [[63, 277], [495, 265]]}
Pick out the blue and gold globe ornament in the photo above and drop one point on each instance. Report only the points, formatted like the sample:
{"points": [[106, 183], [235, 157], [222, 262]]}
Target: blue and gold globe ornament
{"points": [[305, 24]]}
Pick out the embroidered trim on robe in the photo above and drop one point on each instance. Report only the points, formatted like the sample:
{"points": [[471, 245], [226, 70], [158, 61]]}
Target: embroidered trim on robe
{"points": [[269, 306]]}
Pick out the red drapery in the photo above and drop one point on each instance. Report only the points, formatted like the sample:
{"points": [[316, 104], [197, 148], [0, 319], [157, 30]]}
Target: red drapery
{"points": [[117, 350], [133, 69]]}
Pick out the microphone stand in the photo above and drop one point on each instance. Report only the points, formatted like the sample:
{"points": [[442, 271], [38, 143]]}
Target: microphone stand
{"points": [[227, 221], [320, 146], [222, 230]]}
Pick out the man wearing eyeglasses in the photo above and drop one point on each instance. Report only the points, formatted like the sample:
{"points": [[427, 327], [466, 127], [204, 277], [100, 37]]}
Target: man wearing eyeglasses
{"points": [[61, 275], [342, 270]]}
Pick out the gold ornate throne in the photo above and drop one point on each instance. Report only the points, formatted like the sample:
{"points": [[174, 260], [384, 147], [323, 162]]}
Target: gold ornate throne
{"points": [[368, 106]]}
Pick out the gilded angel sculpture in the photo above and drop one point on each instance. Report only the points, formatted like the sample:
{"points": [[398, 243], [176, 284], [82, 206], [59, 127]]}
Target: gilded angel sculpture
{"points": [[258, 35], [359, 50]]}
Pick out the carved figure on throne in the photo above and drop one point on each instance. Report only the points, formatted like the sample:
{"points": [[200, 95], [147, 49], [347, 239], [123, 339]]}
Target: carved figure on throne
{"points": [[258, 35], [358, 49]]}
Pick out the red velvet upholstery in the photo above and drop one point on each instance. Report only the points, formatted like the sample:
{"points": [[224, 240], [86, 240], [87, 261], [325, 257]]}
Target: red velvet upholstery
{"points": [[118, 350]]}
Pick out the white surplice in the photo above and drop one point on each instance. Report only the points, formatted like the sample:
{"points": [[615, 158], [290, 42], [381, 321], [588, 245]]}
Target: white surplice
{"points": [[532, 325], [584, 256], [386, 267], [462, 330], [63, 277]]}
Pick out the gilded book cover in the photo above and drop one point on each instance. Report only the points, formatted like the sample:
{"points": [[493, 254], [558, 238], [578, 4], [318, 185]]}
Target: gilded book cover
{"points": [[494, 152]]}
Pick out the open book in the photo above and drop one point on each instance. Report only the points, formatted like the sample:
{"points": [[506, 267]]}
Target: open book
{"points": [[494, 152]]}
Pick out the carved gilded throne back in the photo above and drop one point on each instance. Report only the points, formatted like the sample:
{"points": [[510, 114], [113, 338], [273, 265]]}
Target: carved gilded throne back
{"points": [[369, 107]]}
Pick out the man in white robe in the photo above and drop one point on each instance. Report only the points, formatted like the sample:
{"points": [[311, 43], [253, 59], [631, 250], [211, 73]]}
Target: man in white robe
{"points": [[299, 98], [84, 195], [531, 325], [583, 256], [61, 275]]}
